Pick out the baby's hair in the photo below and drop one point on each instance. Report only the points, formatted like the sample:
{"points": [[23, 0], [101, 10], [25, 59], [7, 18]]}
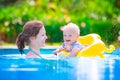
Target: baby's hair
{"points": [[30, 29], [73, 27]]}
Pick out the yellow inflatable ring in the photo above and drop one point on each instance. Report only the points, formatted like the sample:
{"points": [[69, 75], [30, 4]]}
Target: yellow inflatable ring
{"points": [[96, 47]]}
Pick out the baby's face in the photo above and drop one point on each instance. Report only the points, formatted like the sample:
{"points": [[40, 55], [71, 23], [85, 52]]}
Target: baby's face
{"points": [[70, 36]]}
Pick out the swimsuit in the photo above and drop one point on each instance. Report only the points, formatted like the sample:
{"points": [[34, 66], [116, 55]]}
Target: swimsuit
{"points": [[75, 44], [35, 53]]}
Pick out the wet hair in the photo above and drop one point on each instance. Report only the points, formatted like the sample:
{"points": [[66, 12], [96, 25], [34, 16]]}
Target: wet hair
{"points": [[30, 29], [73, 27]]}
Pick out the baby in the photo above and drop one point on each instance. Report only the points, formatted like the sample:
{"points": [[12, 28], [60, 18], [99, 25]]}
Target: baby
{"points": [[71, 33]]}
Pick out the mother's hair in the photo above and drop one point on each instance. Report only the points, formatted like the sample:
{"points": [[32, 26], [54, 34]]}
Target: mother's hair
{"points": [[30, 29]]}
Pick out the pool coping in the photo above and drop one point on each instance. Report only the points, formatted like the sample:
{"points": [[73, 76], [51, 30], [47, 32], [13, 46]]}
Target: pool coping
{"points": [[15, 47]]}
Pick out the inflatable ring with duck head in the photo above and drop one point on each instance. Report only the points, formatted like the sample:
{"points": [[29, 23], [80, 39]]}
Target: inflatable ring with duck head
{"points": [[96, 47]]}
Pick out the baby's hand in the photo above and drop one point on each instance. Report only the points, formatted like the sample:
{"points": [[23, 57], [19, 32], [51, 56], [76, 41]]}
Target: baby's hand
{"points": [[68, 47], [55, 52]]}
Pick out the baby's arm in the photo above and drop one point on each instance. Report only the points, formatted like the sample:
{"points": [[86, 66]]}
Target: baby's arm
{"points": [[58, 50], [74, 52]]}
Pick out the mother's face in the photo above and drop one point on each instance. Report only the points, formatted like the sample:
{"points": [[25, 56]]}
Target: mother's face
{"points": [[41, 37]]}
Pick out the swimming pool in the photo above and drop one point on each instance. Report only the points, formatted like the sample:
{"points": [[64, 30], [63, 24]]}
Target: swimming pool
{"points": [[14, 67]]}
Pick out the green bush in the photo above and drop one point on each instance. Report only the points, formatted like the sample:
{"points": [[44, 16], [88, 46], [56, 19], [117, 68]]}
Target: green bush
{"points": [[94, 16]]}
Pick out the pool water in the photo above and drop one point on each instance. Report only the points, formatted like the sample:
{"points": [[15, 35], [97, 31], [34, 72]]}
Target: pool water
{"points": [[50, 67]]}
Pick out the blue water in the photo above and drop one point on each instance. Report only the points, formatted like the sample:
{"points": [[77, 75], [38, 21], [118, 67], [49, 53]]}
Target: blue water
{"points": [[15, 67]]}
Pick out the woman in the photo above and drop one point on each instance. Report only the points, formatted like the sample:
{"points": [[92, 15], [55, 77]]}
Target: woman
{"points": [[33, 35]]}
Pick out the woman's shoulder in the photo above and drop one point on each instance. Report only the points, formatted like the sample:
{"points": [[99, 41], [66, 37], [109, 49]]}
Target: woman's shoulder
{"points": [[30, 55]]}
